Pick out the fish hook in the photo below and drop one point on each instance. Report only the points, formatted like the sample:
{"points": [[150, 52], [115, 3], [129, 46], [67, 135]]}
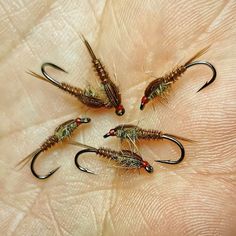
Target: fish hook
{"points": [[77, 156], [48, 77], [181, 147], [206, 63], [35, 156]]}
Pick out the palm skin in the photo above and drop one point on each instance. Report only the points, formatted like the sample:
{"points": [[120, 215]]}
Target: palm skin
{"points": [[196, 197]]}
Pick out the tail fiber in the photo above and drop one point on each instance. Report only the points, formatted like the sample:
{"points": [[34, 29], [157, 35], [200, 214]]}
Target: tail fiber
{"points": [[36, 75], [79, 144], [198, 54], [182, 138], [26, 160], [90, 50]]}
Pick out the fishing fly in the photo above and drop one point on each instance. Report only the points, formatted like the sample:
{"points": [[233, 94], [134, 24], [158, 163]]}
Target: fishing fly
{"points": [[124, 158], [134, 133], [62, 132], [161, 86], [87, 96], [111, 90]]}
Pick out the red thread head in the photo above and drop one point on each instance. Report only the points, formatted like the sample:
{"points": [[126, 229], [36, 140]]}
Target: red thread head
{"points": [[147, 166], [82, 120], [120, 110], [144, 101], [112, 132]]}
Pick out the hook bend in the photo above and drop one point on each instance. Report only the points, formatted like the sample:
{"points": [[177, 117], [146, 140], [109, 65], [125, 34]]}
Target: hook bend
{"points": [[206, 63], [181, 147], [94, 150], [35, 156], [48, 77]]}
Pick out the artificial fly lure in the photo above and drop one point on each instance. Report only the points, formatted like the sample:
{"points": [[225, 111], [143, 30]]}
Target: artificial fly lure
{"points": [[161, 86], [134, 133], [111, 90], [62, 132], [124, 158], [88, 96]]}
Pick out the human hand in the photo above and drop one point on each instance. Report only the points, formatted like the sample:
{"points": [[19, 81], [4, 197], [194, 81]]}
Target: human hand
{"points": [[196, 197]]}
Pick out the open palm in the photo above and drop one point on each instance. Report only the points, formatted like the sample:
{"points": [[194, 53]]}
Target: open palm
{"points": [[196, 197]]}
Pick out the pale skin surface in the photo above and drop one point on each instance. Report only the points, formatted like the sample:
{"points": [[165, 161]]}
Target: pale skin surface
{"points": [[196, 197]]}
